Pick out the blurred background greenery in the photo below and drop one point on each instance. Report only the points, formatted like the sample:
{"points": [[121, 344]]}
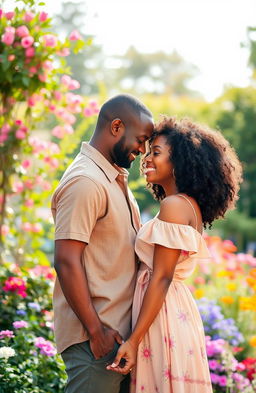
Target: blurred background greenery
{"points": [[162, 81]]}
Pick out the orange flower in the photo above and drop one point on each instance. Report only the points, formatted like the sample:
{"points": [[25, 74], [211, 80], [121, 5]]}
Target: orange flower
{"points": [[252, 341], [227, 299]]}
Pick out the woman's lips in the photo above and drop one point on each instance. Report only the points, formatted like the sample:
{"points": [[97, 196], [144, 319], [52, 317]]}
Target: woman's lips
{"points": [[147, 170]]}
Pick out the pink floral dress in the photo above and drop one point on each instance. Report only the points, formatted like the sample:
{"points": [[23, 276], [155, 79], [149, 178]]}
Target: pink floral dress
{"points": [[172, 356]]}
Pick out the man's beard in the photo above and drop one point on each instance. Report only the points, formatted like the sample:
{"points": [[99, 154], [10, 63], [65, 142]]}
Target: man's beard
{"points": [[121, 155]]}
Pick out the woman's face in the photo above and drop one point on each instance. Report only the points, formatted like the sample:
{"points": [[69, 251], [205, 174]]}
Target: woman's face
{"points": [[158, 168]]}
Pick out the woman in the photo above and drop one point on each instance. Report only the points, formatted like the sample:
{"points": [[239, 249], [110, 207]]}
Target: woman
{"points": [[195, 174]]}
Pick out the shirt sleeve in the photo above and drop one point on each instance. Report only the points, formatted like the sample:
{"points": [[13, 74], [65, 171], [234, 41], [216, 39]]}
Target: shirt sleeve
{"points": [[79, 204]]}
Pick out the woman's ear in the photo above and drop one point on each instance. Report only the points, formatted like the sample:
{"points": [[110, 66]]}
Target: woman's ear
{"points": [[117, 127]]}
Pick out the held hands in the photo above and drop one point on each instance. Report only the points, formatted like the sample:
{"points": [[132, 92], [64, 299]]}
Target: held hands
{"points": [[103, 342], [128, 352]]}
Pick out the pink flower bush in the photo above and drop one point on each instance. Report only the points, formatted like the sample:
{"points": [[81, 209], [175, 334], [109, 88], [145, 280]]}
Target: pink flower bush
{"points": [[8, 36], [15, 284], [22, 31], [43, 16], [45, 346], [75, 35], [20, 324], [27, 41], [6, 334], [50, 40]]}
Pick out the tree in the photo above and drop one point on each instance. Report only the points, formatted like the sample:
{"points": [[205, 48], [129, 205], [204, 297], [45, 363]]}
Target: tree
{"points": [[86, 64], [157, 72], [34, 89]]}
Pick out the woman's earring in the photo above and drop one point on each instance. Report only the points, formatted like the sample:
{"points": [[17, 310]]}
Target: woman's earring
{"points": [[173, 174]]}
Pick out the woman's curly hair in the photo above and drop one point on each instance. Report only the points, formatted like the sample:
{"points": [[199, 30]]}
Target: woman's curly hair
{"points": [[206, 167]]}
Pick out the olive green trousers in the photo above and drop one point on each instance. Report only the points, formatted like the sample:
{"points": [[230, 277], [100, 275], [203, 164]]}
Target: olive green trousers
{"points": [[88, 375]]}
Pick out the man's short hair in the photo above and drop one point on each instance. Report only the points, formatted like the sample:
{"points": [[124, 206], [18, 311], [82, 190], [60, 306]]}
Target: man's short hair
{"points": [[120, 106]]}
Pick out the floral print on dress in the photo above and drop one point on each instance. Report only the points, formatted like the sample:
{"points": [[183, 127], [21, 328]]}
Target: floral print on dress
{"points": [[171, 357], [183, 316], [146, 353]]}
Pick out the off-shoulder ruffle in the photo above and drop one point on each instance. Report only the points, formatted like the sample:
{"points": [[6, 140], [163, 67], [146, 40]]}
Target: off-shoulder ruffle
{"points": [[171, 235]]}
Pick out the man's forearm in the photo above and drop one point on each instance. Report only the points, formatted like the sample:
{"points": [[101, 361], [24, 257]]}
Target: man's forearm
{"points": [[73, 281]]}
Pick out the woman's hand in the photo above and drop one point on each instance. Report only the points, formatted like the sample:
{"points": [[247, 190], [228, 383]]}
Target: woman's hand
{"points": [[128, 352]]}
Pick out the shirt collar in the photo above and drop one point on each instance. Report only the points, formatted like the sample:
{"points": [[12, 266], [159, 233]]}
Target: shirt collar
{"points": [[111, 171]]}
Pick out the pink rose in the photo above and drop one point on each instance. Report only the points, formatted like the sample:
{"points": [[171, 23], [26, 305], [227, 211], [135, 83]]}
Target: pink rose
{"points": [[8, 38], [30, 52], [74, 85], [22, 31], [65, 80], [29, 203], [57, 95], [3, 138], [36, 228], [42, 77], [26, 164], [9, 15], [26, 42], [75, 35], [31, 101], [63, 52], [28, 16], [43, 16], [5, 230], [5, 128], [20, 134], [26, 226], [50, 40], [1, 12], [47, 65], [18, 186], [33, 69], [88, 112], [10, 29]]}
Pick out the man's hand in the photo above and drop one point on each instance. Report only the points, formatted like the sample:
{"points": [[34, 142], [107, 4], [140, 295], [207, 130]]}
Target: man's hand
{"points": [[103, 342]]}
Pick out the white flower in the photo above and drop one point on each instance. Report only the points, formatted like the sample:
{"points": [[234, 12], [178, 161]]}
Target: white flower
{"points": [[6, 352]]}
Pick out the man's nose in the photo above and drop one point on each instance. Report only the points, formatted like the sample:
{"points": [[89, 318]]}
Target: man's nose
{"points": [[142, 148]]}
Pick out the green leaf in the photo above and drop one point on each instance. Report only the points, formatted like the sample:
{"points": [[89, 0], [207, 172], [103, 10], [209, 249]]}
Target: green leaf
{"points": [[25, 81]]}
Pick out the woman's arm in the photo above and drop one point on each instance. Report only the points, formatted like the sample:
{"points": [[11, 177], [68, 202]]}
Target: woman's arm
{"points": [[164, 263]]}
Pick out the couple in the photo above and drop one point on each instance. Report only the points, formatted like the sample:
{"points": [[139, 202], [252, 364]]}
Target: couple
{"points": [[103, 286]]}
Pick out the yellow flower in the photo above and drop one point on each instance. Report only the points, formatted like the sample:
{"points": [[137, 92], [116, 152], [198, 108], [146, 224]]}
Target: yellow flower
{"points": [[222, 273], [198, 293], [227, 299], [248, 303], [231, 286], [252, 341]]}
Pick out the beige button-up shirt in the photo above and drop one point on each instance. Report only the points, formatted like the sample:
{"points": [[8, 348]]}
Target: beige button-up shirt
{"points": [[94, 205]]}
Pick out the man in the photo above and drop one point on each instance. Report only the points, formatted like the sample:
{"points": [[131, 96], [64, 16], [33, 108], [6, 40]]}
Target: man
{"points": [[96, 221]]}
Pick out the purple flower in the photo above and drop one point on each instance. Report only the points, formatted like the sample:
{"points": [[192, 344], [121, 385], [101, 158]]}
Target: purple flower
{"points": [[34, 306], [6, 334], [20, 324], [21, 312]]}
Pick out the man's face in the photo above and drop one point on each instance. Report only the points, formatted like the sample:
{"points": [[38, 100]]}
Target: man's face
{"points": [[132, 143]]}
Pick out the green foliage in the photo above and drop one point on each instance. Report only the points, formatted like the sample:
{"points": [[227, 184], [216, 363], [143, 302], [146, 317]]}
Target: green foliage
{"points": [[35, 367]]}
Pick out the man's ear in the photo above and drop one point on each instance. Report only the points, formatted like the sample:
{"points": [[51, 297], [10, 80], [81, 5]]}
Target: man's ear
{"points": [[117, 127]]}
